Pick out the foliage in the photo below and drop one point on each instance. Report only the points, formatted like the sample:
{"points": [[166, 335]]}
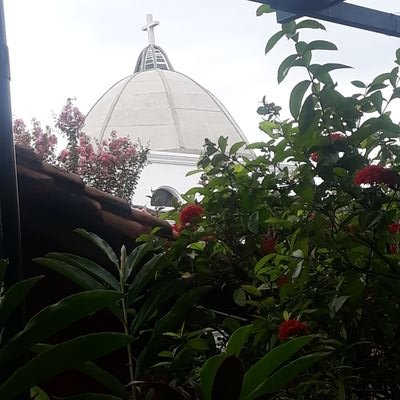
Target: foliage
{"points": [[155, 297], [112, 165], [307, 231], [25, 361]]}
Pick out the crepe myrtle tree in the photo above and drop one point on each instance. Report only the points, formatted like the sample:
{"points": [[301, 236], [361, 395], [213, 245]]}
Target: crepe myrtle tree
{"points": [[113, 165]]}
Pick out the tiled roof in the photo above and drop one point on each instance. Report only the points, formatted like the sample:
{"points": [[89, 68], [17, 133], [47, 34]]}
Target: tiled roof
{"points": [[47, 190]]}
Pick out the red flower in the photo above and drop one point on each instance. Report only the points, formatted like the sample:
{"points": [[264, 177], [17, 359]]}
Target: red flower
{"points": [[282, 281], [394, 228], [393, 248], [176, 230], [190, 213], [291, 327], [376, 174], [268, 244], [314, 156], [336, 136]]}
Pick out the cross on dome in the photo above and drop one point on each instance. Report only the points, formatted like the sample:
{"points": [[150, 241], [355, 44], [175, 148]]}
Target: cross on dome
{"points": [[149, 27]]}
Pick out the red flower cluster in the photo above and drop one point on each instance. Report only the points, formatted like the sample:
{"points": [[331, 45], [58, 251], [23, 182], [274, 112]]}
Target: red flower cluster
{"points": [[336, 136], [268, 244], [291, 327], [376, 174], [314, 156], [393, 248], [190, 213], [282, 281], [394, 228]]}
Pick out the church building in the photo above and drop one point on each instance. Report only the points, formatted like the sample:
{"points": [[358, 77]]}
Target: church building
{"points": [[168, 111]]}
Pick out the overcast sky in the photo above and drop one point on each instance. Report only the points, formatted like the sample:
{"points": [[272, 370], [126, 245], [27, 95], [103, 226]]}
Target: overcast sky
{"points": [[79, 48]]}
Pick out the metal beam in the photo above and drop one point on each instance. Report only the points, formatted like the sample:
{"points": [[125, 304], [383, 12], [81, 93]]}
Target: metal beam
{"points": [[348, 14]]}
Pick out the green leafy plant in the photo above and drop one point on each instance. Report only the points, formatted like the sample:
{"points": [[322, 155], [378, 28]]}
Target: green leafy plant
{"points": [[21, 366]]}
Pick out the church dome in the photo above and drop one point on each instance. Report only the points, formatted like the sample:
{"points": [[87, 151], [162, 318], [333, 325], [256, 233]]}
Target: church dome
{"points": [[163, 108]]}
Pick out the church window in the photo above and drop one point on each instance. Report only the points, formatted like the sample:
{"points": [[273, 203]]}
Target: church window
{"points": [[162, 198]]}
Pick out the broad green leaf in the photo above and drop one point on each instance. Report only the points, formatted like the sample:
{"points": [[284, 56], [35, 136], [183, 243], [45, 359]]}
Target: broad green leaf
{"points": [[145, 274], [359, 84], [168, 323], [239, 297], [321, 45], [285, 66], [222, 143], [262, 369], [105, 378], [89, 396], [14, 296], [296, 97], [208, 372], [238, 339], [228, 379], [338, 302], [155, 300], [39, 394], [87, 266], [254, 222], [284, 375], [61, 357], [307, 115], [273, 40], [101, 244], [76, 275], [262, 262], [100, 375], [235, 147], [135, 258], [310, 24], [264, 9], [377, 99], [256, 145], [54, 318], [398, 56]]}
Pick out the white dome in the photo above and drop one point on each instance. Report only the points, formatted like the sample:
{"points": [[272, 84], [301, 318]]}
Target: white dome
{"points": [[164, 108]]}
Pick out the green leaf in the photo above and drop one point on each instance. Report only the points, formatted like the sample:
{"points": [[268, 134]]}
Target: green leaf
{"points": [[359, 84], [262, 262], [256, 145], [61, 357], [284, 375], [238, 339], [377, 99], [101, 244], [310, 24], [54, 318], [39, 394], [136, 257], [239, 297], [208, 372], [79, 277], [262, 369], [14, 296], [296, 97], [273, 40], [168, 323], [264, 9], [305, 189], [89, 396], [338, 302], [194, 172], [235, 147], [398, 56], [321, 45], [228, 379], [307, 116], [146, 274], [222, 143], [87, 266], [153, 302], [254, 222], [285, 66]]}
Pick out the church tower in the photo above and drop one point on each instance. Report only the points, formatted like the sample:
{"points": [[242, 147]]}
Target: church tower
{"points": [[167, 110]]}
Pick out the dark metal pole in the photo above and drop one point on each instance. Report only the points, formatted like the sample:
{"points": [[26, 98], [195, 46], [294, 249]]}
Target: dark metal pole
{"points": [[10, 232]]}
